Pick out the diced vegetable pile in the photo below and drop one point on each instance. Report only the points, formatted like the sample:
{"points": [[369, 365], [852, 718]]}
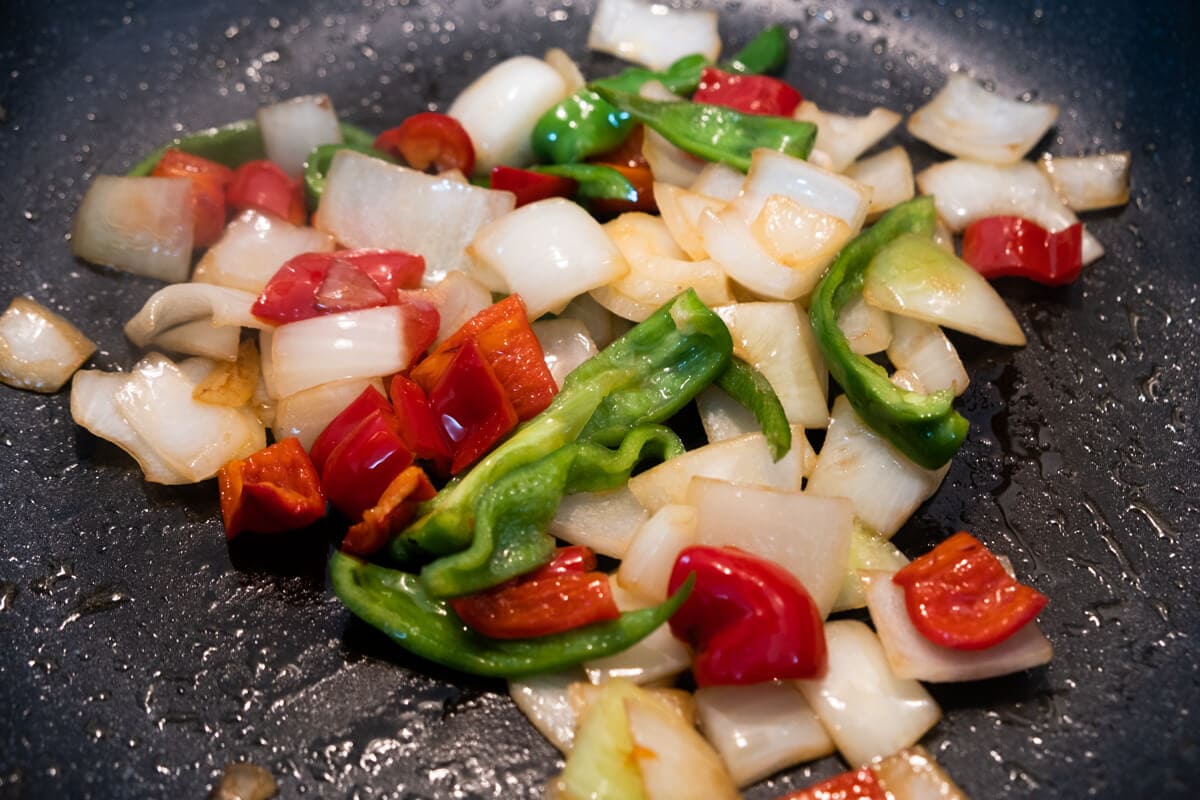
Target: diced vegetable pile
{"points": [[469, 335]]}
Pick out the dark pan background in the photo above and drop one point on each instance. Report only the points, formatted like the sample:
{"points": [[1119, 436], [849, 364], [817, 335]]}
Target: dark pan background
{"points": [[139, 653]]}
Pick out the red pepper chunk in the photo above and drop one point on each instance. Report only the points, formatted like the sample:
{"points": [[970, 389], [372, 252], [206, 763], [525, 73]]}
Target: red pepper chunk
{"points": [[344, 424], [747, 619], [860, 784], [560, 596], [529, 187], [275, 489], [958, 595], [312, 284], [750, 94], [209, 180], [429, 139], [418, 426], [264, 186], [388, 517], [364, 463], [642, 180], [1001, 247], [471, 405]]}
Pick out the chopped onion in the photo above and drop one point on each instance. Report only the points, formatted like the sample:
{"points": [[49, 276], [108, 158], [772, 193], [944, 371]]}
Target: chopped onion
{"points": [[565, 345], [801, 238], [657, 657], [774, 173], [158, 396], [567, 69], [922, 349], [675, 761], [913, 277], [842, 138], [549, 252], [647, 564], [183, 303], [141, 225], [640, 237], [805, 534], [293, 128], [458, 297], [867, 328], [603, 521], [720, 181], [253, 248], [731, 242], [1090, 182], [889, 176], [545, 700], [867, 710], [500, 107], [305, 414], [912, 774], [860, 465], [761, 728], [369, 203], [200, 338], [39, 349], [620, 304], [868, 550], [681, 210], [230, 383], [679, 701], [653, 34], [722, 416], [966, 191], [967, 121], [668, 163], [746, 459], [357, 344], [602, 325], [911, 655]]}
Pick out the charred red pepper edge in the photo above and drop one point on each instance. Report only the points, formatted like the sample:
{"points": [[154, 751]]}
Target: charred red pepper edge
{"points": [[388, 517], [1000, 247], [273, 490]]}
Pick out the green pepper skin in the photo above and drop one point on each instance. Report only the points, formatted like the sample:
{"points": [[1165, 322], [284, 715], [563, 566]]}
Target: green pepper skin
{"points": [[926, 428], [715, 133], [682, 77], [396, 603], [316, 167], [596, 181], [580, 126], [753, 391], [765, 53]]}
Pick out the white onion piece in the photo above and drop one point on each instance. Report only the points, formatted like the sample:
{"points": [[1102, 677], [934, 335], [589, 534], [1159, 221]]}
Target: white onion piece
{"points": [[801, 238], [305, 414], [761, 728], [545, 701], [730, 242], [860, 465], [355, 344], [966, 191], [621, 305], [911, 655], [158, 397], [675, 761], [943, 237], [868, 551], [720, 181], [549, 252], [646, 567], [722, 416], [746, 458], [668, 163], [679, 701], [889, 175], [657, 657], [868, 329], [912, 774], [371, 203], [923, 349], [967, 121], [681, 210], [842, 138], [182, 303], [775, 340], [1089, 182], [913, 277], [500, 107], [653, 34], [640, 237], [774, 173], [39, 349], [266, 363], [907, 381], [562, 63], [93, 406], [140, 225], [807, 535], [603, 521], [565, 345], [253, 248], [458, 297], [602, 325], [867, 710], [292, 128], [200, 338]]}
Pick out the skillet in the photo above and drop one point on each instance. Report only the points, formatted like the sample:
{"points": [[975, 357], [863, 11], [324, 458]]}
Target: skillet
{"points": [[141, 653]]}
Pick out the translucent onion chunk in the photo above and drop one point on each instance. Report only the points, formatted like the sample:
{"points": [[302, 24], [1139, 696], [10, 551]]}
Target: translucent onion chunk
{"points": [[653, 34], [141, 225], [293, 128], [39, 350], [1089, 182], [253, 248]]}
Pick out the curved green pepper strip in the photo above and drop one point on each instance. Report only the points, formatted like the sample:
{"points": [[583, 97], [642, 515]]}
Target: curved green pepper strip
{"points": [[716, 133], [926, 428], [644, 377], [233, 145], [682, 77], [316, 167], [596, 181], [753, 391], [397, 604], [765, 53], [511, 517]]}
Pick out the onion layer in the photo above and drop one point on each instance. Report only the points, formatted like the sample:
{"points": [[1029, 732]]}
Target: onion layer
{"points": [[653, 34], [253, 248], [1091, 182], [39, 350], [141, 225], [293, 128]]}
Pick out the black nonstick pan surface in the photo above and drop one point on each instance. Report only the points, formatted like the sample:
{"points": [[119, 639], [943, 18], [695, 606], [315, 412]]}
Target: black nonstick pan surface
{"points": [[139, 653]]}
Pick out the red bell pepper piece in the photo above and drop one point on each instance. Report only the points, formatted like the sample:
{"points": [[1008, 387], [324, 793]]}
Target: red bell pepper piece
{"points": [[418, 426], [391, 515], [529, 187], [860, 784], [209, 180], [275, 489], [512, 350], [344, 423], [560, 596], [643, 183], [471, 405], [429, 139], [999, 247], [628, 153], [311, 284], [264, 186], [958, 595], [748, 620], [364, 464], [750, 94]]}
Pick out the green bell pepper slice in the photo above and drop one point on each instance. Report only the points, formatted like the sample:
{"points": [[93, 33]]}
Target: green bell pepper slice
{"points": [[596, 181], [765, 53], [751, 389]]}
